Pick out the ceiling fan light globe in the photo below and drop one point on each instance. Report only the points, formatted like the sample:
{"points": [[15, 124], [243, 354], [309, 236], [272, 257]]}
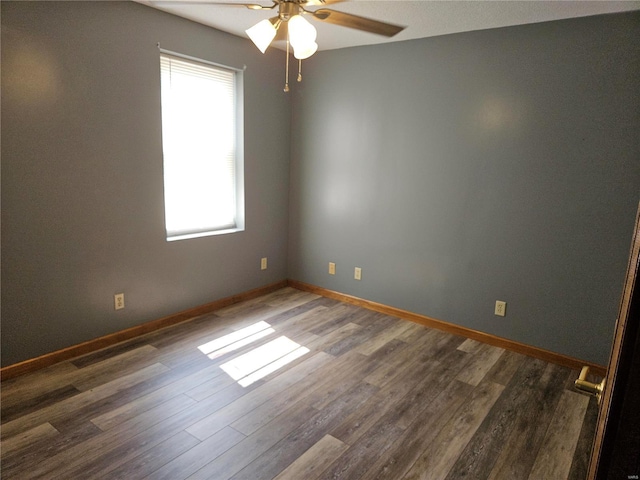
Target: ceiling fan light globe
{"points": [[305, 51], [261, 34], [301, 32]]}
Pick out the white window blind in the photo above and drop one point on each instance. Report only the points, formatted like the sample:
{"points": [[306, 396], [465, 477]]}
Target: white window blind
{"points": [[199, 140]]}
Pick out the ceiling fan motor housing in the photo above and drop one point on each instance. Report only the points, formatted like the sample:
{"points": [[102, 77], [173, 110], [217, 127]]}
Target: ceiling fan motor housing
{"points": [[286, 10]]}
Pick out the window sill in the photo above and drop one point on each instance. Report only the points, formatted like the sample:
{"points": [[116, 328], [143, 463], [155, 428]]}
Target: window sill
{"points": [[204, 234]]}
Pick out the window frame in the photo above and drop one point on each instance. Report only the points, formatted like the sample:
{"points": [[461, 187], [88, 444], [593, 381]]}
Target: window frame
{"points": [[238, 85]]}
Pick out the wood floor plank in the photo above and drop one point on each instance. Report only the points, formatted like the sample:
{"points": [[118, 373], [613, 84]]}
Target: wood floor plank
{"points": [[211, 386], [519, 451], [153, 459], [67, 421], [249, 402], [379, 319], [189, 332], [555, 457], [413, 330], [187, 358], [332, 337], [164, 391], [340, 382], [42, 432], [285, 452], [435, 463], [66, 407], [128, 449], [19, 463], [278, 307], [189, 350], [316, 304], [480, 454], [292, 298], [424, 335], [506, 366], [436, 379], [360, 421], [300, 317], [435, 345], [264, 313], [109, 352], [580, 463], [338, 316], [243, 310], [355, 461], [124, 404], [286, 295], [389, 351], [444, 344], [257, 302], [112, 368], [470, 346], [315, 384], [29, 405], [382, 338], [172, 404], [254, 445], [144, 431], [311, 463], [419, 435], [482, 360], [35, 384], [354, 340], [198, 456], [387, 371], [374, 396]]}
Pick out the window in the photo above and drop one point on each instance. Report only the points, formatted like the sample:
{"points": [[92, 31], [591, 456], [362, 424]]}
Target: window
{"points": [[202, 141]]}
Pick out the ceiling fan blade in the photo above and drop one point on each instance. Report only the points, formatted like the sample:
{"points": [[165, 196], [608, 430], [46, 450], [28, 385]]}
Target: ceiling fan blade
{"points": [[354, 21], [251, 6], [316, 3]]}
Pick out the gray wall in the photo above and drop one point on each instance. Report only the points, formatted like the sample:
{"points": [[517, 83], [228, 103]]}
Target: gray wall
{"points": [[82, 189], [464, 169], [455, 171]]}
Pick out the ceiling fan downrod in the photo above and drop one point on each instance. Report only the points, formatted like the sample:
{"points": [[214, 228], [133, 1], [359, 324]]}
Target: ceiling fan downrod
{"points": [[286, 81]]}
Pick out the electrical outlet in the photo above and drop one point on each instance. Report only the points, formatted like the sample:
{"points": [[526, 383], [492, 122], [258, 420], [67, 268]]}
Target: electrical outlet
{"points": [[501, 308], [118, 300], [332, 268], [357, 273], [263, 263]]}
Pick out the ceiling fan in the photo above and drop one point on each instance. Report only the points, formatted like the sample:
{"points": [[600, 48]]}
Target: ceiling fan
{"points": [[290, 26]]}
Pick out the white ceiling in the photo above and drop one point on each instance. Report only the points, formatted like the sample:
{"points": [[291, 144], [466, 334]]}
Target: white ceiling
{"points": [[423, 18]]}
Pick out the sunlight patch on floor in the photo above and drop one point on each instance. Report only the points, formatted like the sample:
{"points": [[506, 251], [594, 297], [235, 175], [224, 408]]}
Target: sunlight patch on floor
{"points": [[263, 360], [236, 340]]}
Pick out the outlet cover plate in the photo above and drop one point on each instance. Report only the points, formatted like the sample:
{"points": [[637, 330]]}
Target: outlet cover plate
{"points": [[357, 273], [118, 300]]}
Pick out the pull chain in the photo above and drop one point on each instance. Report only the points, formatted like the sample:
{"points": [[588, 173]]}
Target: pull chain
{"points": [[299, 69], [286, 82]]}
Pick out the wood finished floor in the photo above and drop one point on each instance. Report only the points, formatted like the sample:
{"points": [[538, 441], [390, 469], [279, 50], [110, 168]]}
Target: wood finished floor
{"points": [[364, 395]]}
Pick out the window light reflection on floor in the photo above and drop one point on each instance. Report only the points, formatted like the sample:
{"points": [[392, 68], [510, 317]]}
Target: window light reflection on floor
{"points": [[259, 362], [236, 340], [272, 367], [263, 360]]}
